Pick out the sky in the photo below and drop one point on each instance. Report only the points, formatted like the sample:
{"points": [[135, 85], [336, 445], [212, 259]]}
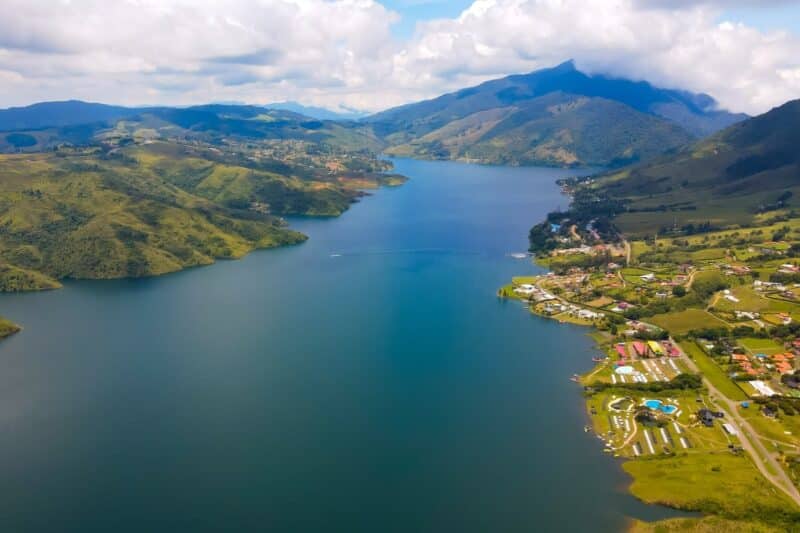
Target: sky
{"points": [[371, 55]]}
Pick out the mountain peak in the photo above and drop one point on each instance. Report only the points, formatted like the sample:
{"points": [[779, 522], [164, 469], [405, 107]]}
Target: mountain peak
{"points": [[566, 66]]}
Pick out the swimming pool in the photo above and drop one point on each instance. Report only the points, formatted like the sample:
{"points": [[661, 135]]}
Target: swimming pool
{"points": [[661, 406]]}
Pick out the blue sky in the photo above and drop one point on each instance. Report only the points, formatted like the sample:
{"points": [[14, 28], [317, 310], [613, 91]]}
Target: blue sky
{"points": [[413, 11], [781, 15]]}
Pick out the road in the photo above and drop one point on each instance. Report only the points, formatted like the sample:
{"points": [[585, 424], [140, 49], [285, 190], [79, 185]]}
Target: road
{"points": [[627, 252], [749, 439], [751, 443]]}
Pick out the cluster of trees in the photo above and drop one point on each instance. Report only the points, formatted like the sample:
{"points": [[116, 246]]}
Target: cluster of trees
{"points": [[679, 382], [789, 406]]}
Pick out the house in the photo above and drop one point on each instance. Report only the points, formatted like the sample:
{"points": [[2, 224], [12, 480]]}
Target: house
{"points": [[656, 349], [648, 277], [525, 289], [769, 411], [729, 429], [640, 349], [621, 307], [706, 416], [589, 315]]}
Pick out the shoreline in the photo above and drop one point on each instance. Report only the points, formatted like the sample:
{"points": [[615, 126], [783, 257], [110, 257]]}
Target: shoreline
{"points": [[289, 237], [642, 485]]}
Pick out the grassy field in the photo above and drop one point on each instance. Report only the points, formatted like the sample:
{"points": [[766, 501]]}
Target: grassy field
{"points": [[713, 372], [722, 484], [776, 433], [752, 300], [7, 328], [708, 524], [684, 321], [756, 345]]}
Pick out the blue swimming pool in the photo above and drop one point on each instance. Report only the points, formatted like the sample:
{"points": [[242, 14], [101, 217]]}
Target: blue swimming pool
{"points": [[661, 406]]}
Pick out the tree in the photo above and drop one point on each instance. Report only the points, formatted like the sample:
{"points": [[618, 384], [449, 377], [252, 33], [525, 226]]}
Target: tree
{"points": [[679, 291]]}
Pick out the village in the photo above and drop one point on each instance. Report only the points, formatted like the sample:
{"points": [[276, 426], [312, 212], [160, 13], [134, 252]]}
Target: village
{"points": [[700, 340]]}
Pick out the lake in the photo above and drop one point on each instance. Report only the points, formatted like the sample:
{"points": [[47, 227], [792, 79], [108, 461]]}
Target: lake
{"points": [[366, 380]]}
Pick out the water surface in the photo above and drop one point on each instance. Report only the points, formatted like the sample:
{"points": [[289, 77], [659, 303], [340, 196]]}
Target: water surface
{"points": [[366, 380]]}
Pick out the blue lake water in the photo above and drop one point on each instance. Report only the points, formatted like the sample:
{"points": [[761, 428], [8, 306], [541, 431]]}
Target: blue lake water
{"points": [[386, 389]]}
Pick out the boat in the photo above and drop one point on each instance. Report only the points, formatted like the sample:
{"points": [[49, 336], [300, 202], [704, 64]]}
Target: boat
{"points": [[586, 429], [576, 378], [599, 359]]}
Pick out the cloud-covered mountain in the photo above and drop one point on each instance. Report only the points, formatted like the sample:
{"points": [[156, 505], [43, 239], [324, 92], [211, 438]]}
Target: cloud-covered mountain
{"points": [[333, 53], [555, 116]]}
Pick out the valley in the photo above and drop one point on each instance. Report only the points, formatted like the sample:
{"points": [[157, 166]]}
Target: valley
{"points": [[681, 252]]}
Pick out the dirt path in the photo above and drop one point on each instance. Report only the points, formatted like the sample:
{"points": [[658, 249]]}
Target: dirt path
{"points": [[627, 246]]}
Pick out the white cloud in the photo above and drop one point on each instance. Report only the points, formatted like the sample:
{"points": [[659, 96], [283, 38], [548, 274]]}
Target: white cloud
{"points": [[686, 48], [342, 52]]}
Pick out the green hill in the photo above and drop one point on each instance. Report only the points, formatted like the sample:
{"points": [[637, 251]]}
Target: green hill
{"points": [[557, 116], [84, 216], [164, 189], [747, 172]]}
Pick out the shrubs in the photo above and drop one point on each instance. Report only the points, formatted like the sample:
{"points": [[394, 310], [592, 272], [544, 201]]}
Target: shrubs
{"points": [[679, 382]]}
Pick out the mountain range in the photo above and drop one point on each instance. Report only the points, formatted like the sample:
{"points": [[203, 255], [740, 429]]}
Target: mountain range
{"points": [[556, 116]]}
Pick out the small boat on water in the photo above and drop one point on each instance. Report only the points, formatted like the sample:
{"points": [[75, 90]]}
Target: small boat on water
{"points": [[576, 378], [586, 429], [599, 359], [519, 256]]}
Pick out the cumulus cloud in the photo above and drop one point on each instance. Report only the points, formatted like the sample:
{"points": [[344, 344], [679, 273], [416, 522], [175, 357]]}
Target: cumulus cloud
{"points": [[188, 51], [686, 48], [342, 52]]}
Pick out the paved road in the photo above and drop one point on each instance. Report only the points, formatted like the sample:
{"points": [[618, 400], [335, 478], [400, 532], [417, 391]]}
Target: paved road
{"points": [[750, 440]]}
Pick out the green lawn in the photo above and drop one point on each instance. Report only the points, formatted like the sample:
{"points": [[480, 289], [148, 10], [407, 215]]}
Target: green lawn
{"points": [[684, 321], [708, 254], [713, 372], [752, 300], [766, 346], [721, 483]]}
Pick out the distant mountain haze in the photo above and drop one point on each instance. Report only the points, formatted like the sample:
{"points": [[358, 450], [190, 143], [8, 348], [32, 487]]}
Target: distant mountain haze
{"points": [[319, 113], [55, 114]]}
